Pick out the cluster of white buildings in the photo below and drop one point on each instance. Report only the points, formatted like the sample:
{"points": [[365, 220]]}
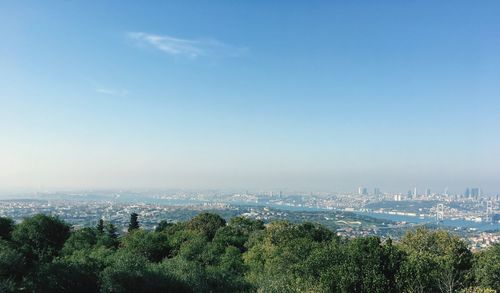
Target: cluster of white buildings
{"points": [[484, 240]]}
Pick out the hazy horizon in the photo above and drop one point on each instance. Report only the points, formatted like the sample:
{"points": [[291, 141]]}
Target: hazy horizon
{"points": [[250, 95]]}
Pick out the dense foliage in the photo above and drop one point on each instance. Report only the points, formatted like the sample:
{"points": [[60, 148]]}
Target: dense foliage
{"points": [[206, 254]]}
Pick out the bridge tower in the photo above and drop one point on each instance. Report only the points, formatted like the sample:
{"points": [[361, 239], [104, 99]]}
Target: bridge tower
{"points": [[440, 212], [489, 211]]}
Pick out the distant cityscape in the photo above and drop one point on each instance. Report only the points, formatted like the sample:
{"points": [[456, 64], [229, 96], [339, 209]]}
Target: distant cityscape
{"points": [[472, 214]]}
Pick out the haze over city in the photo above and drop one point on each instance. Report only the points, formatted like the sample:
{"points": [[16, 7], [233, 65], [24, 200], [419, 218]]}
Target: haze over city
{"points": [[250, 95], [249, 146]]}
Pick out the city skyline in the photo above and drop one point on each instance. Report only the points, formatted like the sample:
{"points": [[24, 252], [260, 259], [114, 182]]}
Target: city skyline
{"points": [[250, 95]]}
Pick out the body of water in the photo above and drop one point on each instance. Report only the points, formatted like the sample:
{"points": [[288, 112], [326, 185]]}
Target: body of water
{"points": [[481, 226]]}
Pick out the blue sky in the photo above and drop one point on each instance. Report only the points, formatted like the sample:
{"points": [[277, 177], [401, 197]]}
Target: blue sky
{"points": [[301, 95]]}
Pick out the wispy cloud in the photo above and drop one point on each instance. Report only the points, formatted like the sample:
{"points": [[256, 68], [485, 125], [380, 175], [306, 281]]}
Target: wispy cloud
{"points": [[112, 92], [189, 48]]}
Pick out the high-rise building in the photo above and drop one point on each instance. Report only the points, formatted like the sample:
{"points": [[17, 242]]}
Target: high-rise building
{"points": [[362, 190], [428, 192], [475, 193], [376, 191]]}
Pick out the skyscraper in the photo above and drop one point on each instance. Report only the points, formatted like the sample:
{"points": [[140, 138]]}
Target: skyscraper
{"points": [[362, 190], [475, 193]]}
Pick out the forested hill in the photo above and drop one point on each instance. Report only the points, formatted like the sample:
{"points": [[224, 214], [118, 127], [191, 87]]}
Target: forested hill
{"points": [[206, 254]]}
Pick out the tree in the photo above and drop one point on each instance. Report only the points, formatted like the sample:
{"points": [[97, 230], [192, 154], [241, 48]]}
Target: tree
{"points": [[12, 267], [6, 227], [134, 223], [63, 276], [125, 274], [206, 223], [369, 266], [437, 261], [228, 274], [394, 258], [77, 272], [478, 290], [190, 242], [80, 239], [193, 246], [206, 255], [324, 268], [237, 233], [163, 225], [316, 232], [133, 273], [110, 237], [153, 246], [41, 237], [279, 259], [100, 226], [487, 268], [111, 231], [188, 272]]}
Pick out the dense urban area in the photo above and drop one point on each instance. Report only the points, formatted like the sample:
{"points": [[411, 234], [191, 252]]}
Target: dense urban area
{"points": [[473, 216]]}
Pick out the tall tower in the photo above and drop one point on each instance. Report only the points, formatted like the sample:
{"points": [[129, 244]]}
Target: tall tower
{"points": [[489, 211]]}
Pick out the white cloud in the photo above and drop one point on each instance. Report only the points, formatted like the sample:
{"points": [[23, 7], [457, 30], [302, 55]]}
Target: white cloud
{"points": [[112, 92], [190, 48]]}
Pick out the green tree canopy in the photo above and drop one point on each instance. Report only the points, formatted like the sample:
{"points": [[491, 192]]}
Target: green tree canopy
{"points": [[110, 237], [487, 268], [153, 246], [100, 226], [12, 267], [134, 223], [6, 227], [42, 254], [437, 261], [163, 225], [133, 273], [80, 239], [41, 237], [207, 224]]}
